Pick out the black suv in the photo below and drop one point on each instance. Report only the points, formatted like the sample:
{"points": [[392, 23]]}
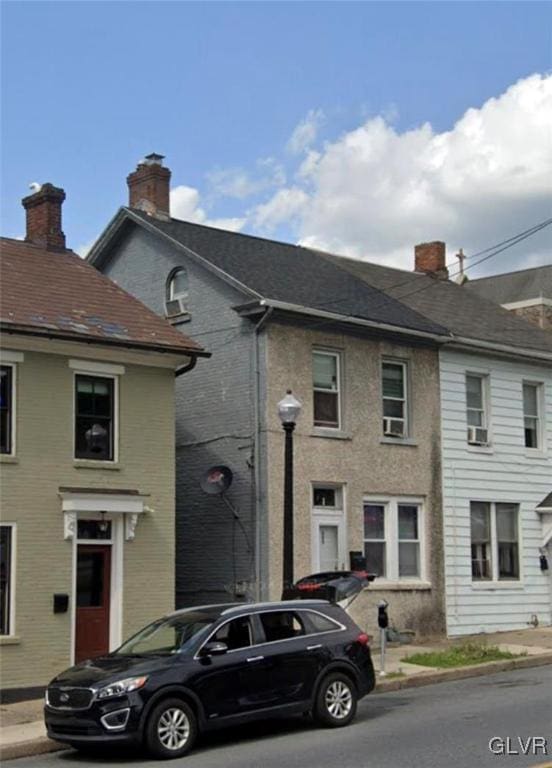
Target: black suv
{"points": [[214, 665]]}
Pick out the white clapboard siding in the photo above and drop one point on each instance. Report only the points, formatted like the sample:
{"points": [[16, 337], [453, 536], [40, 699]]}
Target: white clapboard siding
{"points": [[505, 471]]}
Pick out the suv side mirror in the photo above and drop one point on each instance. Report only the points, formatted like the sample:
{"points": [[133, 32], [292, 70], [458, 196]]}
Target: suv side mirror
{"points": [[214, 649]]}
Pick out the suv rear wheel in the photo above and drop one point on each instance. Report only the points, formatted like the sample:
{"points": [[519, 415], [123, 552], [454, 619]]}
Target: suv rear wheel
{"points": [[336, 701], [171, 729]]}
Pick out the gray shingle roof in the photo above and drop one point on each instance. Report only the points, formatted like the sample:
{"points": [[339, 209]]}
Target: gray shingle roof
{"points": [[546, 503], [514, 286], [293, 274], [463, 312], [359, 289]]}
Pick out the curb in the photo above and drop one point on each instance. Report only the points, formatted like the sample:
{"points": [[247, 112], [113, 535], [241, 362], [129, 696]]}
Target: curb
{"points": [[30, 748], [462, 673]]}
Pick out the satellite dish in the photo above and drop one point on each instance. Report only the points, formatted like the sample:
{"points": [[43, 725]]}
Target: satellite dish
{"points": [[216, 480]]}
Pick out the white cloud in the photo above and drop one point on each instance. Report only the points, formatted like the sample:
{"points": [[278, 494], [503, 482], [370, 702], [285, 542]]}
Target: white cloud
{"points": [[83, 249], [239, 183], [375, 192], [285, 206], [185, 204], [305, 133]]}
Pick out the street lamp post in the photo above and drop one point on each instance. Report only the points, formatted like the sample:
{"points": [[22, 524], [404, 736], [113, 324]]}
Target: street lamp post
{"points": [[289, 409]]}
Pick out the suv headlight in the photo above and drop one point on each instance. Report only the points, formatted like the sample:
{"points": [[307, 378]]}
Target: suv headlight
{"points": [[121, 687]]}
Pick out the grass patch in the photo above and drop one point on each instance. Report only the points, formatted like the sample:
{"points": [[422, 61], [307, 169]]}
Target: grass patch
{"points": [[460, 656], [393, 675]]}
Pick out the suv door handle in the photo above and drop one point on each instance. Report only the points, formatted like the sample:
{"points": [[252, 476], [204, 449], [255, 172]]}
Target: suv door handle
{"points": [[314, 647], [255, 658]]}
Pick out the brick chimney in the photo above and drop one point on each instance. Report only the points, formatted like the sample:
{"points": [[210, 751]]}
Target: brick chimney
{"points": [[148, 187], [43, 209], [430, 258]]}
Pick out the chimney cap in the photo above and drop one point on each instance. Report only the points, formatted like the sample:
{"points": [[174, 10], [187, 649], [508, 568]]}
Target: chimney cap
{"points": [[153, 159]]}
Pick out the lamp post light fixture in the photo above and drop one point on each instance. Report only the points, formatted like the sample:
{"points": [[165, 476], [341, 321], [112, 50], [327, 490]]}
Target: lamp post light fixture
{"points": [[289, 409]]}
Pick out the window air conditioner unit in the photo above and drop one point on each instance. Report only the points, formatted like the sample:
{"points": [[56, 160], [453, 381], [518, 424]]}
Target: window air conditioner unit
{"points": [[175, 307], [478, 436], [393, 427]]}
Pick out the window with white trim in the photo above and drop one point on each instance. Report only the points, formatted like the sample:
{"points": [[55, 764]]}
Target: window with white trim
{"points": [[393, 538], [531, 414], [6, 577], [177, 291], [6, 408], [477, 412], [326, 389], [494, 541], [394, 393], [94, 417]]}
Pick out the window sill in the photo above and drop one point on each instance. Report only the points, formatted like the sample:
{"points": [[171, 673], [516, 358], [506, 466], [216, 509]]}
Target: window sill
{"points": [[399, 586], [535, 453], [494, 586], [9, 640], [185, 317], [336, 434], [480, 448], [8, 458], [91, 464], [398, 441]]}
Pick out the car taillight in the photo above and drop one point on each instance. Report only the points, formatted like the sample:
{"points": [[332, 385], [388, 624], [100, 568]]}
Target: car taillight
{"points": [[363, 639]]}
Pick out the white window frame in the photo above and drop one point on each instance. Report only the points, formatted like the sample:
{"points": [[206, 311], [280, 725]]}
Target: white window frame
{"points": [[485, 379], [335, 516], [338, 356], [391, 531], [171, 295], [103, 373], [405, 399], [12, 577], [539, 416], [9, 360], [495, 582]]}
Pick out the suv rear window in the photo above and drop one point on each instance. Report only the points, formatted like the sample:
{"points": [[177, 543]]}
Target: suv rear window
{"points": [[281, 625], [320, 623]]}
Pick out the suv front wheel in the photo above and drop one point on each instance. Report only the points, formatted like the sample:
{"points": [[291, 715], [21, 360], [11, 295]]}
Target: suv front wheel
{"points": [[336, 701], [171, 729]]}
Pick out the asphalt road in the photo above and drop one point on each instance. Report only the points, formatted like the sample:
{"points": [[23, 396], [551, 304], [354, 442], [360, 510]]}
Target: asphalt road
{"points": [[439, 726]]}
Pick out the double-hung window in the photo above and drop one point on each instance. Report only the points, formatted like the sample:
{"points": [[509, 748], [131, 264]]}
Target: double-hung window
{"points": [[494, 541], [326, 389], [6, 408], [393, 539], [531, 415], [177, 290], [6, 579], [394, 392], [94, 417], [477, 413]]}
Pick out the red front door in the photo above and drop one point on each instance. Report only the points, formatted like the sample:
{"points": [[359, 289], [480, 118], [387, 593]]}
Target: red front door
{"points": [[93, 599]]}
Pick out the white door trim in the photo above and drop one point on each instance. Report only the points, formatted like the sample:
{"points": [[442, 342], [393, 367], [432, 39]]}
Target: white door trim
{"points": [[116, 582], [337, 519]]}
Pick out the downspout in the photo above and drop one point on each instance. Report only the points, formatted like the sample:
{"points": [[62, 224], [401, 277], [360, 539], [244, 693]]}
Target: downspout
{"points": [[185, 368], [257, 449]]}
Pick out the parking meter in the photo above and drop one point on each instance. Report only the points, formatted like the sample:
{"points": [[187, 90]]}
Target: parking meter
{"points": [[383, 618], [383, 623]]}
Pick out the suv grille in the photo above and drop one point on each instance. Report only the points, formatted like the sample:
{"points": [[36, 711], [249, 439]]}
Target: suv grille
{"points": [[70, 698]]}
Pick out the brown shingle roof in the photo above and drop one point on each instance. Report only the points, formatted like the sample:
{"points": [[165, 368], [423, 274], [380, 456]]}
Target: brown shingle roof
{"points": [[59, 294]]}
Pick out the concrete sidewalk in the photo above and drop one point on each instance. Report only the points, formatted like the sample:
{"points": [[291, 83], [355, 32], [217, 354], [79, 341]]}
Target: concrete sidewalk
{"points": [[22, 731]]}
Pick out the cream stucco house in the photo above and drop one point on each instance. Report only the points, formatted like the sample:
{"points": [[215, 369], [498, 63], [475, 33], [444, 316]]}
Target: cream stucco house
{"points": [[87, 455]]}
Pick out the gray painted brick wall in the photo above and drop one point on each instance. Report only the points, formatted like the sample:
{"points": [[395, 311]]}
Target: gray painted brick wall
{"points": [[212, 552]]}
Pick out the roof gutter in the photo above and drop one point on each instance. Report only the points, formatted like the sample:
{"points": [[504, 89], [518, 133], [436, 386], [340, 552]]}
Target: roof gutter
{"points": [[297, 308], [100, 340], [505, 349]]}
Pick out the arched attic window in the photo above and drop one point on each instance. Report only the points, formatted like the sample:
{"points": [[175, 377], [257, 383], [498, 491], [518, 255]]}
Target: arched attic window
{"points": [[176, 292]]}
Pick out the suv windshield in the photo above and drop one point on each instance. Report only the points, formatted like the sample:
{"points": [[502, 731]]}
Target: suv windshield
{"points": [[166, 636]]}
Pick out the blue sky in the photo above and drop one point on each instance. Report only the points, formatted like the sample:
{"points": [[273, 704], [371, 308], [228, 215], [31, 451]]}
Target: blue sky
{"points": [[219, 88]]}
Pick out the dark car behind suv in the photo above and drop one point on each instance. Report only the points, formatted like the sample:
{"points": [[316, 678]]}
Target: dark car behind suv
{"points": [[214, 665]]}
